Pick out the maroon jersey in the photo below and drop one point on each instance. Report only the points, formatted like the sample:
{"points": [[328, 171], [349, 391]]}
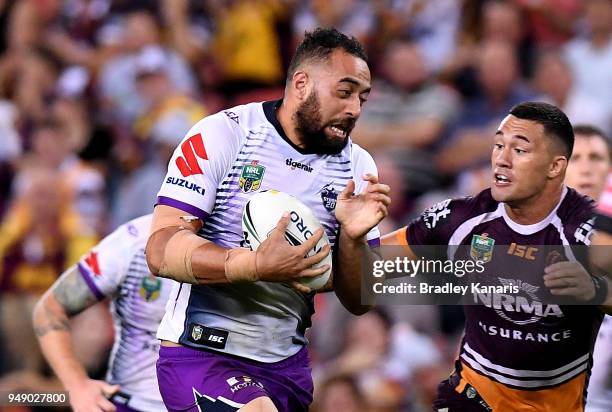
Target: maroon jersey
{"points": [[520, 341]]}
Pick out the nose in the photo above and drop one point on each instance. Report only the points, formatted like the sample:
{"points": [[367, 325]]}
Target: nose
{"points": [[585, 168], [501, 158], [353, 107]]}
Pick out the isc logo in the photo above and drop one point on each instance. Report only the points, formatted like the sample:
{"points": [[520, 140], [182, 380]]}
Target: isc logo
{"points": [[526, 252], [214, 338], [299, 223]]}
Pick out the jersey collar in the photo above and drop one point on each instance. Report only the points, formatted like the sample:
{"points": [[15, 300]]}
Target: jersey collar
{"points": [[536, 227], [269, 108]]}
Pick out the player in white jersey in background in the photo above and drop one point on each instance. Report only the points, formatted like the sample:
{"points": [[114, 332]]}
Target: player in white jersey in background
{"points": [[233, 333], [116, 268], [587, 172]]}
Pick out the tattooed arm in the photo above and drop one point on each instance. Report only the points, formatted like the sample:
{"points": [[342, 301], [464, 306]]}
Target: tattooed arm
{"points": [[69, 296]]}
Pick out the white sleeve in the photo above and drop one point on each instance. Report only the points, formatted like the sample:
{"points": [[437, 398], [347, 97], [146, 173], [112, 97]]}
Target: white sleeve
{"points": [[198, 165], [364, 164], [105, 266]]}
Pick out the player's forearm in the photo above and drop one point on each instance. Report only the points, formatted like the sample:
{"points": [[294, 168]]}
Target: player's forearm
{"points": [[175, 251], [207, 261], [52, 328], [354, 258]]}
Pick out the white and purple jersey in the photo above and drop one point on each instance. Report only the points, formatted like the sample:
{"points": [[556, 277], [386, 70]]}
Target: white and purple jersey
{"points": [[599, 397], [116, 268], [224, 160]]}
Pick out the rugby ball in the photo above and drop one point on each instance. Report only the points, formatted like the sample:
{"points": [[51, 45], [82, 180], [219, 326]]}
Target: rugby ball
{"points": [[261, 215]]}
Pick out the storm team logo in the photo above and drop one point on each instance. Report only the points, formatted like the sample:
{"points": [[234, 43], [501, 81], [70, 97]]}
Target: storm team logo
{"points": [[329, 196]]}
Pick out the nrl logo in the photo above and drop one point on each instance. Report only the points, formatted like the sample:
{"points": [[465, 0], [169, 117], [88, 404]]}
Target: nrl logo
{"points": [[251, 176], [481, 248], [196, 332], [149, 288]]}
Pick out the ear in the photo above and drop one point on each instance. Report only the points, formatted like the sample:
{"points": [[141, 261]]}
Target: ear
{"points": [[300, 83], [557, 167]]}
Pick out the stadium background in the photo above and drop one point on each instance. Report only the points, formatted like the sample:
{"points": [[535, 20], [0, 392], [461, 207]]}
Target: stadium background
{"points": [[94, 94]]}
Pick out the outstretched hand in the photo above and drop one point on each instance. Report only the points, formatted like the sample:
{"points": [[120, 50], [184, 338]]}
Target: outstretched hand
{"points": [[357, 214]]}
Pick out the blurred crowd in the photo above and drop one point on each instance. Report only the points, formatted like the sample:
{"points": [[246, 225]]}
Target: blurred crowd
{"points": [[95, 94]]}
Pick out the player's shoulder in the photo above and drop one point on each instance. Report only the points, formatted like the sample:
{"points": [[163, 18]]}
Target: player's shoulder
{"points": [[575, 207], [361, 159], [468, 207], [132, 233], [577, 215], [447, 215], [478, 204], [234, 122]]}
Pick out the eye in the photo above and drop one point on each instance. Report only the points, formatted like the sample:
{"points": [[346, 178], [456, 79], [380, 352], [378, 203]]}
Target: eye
{"points": [[498, 146], [520, 151], [344, 93]]}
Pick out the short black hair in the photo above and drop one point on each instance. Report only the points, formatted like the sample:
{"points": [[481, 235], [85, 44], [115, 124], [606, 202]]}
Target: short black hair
{"points": [[320, 43], [590, 130], [555, 122]]}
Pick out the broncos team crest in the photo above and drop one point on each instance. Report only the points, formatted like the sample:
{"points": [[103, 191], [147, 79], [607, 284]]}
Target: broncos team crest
{"points": [[149, 288], [251, 176]]}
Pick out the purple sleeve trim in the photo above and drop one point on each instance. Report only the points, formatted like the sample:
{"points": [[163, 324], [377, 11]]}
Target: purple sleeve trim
{"points": [[374, 242], [92, 286], [185, 207]]}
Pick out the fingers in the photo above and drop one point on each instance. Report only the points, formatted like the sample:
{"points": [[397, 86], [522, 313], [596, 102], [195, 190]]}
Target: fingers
{"points": [[106, 405], [281, 226], [348, 190], [313, 272], [317, 257], [109, 390], [370, 178], [300, 287], [562, 266], [563, 282], [383, 211], [573, 291], [379, 188], [384, 199], [556, 283], [312, 241], [562, 270]]}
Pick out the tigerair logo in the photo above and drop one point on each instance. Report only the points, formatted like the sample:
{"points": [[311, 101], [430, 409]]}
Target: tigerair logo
{"points": [[297, 165], [520, 309]]}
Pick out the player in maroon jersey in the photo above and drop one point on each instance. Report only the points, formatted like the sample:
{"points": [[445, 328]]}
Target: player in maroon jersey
{"points": [[521, 352]]}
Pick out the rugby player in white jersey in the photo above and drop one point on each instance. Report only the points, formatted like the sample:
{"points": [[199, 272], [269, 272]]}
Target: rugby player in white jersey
{"points": [[233, 333], [587, 172], [116, 268]]}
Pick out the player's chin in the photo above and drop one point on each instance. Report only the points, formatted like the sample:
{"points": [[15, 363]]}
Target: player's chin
{"points": [[335, 142], [502, 194]]}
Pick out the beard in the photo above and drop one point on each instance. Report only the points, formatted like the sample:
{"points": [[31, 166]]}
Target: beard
{"points": [[310, 128]]}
